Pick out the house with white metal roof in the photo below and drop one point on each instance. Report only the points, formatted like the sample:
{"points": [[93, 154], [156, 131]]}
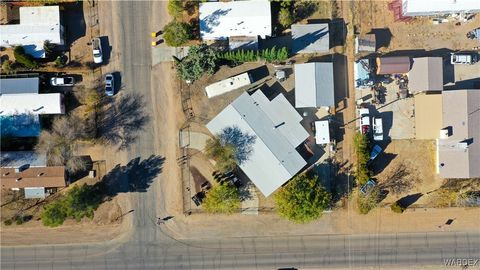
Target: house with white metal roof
{"points": [[37, 24], [314, 86], [221, 20], [14, 104], [277, 130], [438, 7]]}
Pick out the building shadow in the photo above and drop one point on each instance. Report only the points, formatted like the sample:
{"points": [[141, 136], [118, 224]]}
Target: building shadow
{"points": [[106, 49], [465, 84], [382, 162], [74, 22], [120, 121], [383, 37], [259, 73], [338, 32]]}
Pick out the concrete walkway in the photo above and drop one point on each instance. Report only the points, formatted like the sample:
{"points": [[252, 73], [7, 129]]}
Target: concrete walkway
{"points": [[196, 141], [250, 204], [163, 53]]}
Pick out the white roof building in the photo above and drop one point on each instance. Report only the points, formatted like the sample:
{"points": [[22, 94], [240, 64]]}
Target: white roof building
{"points": [[322, 132], [37, 24], [221, 20], [14, 104], [276, 125], [436, 7], [227, 85]]}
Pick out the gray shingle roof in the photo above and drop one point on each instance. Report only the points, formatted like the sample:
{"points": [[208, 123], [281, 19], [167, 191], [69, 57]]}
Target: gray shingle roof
{"points": [[19, 85], [310, 38]]}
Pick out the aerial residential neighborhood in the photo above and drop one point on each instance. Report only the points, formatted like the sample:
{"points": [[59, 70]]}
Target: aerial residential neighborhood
{"points": [[240, 134]]}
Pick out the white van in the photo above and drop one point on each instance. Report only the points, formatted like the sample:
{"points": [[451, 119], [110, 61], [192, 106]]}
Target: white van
{"points": [[377, 129]]}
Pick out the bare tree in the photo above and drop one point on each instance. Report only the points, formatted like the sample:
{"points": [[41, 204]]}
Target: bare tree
{"points": [[400, 180]]}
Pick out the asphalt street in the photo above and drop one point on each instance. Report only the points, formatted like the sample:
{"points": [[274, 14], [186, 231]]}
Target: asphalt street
{"points": [[150, 247]]}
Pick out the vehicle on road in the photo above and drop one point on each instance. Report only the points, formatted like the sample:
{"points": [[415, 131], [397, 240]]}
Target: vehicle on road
{"points": [[97, 51], [62, 81], [375, 151], [465, 58], [109, 85], [364, 120], [365, 189], [377, 129]]}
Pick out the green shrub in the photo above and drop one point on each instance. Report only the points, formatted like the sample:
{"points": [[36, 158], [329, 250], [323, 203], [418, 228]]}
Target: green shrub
{"points": [[7, 222], [19, 220], [367, 202], [48, 47], [24, 59], [285, 17], [60, 61], [7, 67], [222, 199], [176, 33], [175, 8], [397, 207]]}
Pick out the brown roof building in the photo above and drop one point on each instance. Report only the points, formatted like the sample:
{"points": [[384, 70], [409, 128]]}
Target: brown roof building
{"points": [[459, 143], [46, 177], [426, 75], [393, 65]]}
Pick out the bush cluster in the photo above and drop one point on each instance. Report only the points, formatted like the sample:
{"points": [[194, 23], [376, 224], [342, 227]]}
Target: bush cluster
{"points": [[397, 207], [269, 55], [24, 59], [361, 145], [78, 203]]}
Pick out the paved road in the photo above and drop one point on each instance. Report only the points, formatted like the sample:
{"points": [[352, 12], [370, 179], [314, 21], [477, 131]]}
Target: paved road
{"points": [[148, 247]]}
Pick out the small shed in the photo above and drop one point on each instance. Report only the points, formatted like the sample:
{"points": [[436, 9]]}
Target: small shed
{"points": [[365, 43], [322, 132], [34, 192], [393, 65]]}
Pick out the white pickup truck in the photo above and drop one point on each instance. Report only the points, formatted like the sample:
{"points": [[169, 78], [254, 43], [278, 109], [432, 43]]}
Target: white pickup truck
{"points": [[97, 51], [463, 58]]}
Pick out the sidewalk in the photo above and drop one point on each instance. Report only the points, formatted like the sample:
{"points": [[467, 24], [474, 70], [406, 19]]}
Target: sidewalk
{"points": [[341, 221]]}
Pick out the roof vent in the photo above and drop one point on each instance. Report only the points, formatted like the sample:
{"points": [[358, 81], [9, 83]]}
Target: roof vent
{"points": [[445, 133], [40, 174], [462, 145], [18, 179], [5, 174], [17, 170]]}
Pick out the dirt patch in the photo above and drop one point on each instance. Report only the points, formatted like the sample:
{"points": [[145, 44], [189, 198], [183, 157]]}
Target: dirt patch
{"points": [[407, 167]]}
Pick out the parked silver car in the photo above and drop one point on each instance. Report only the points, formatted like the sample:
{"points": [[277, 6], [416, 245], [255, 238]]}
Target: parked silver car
{"points": [[109, 85]]}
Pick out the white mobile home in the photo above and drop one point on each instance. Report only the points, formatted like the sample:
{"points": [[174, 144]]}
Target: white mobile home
{"points": [[227, 85]]}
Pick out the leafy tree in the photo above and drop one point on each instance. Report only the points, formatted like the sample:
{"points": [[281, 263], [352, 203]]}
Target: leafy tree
{"points": [[363, 173], [7, 67], [176, 33], [175, 8], [369, 201], [284, 3], [224, 155], [223, 199], [200, 59], [303, 199], [285, 17], [24, 59]]}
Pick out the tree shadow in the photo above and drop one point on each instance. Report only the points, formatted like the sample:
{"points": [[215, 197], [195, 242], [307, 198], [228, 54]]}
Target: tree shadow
{"points": [[243, 142], [304, 9], [83, 173], [409, 199], [120, 122], [137, 176], [213, 20], [383, 36]]}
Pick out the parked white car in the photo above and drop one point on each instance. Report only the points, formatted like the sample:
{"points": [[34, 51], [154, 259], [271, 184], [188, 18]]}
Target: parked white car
{"points": [[62, 81], [97, 51], [463, 58], [377, 129]]}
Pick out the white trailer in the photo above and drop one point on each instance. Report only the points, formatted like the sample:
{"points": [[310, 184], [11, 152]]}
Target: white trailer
{"points": [[227, 85]]}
